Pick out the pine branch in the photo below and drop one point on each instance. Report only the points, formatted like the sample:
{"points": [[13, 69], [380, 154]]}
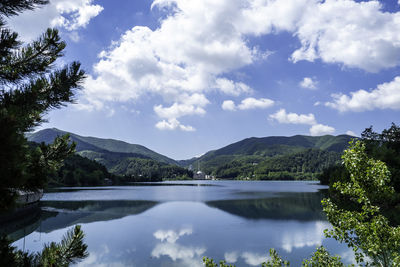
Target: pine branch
{"points": [[32, 60], [28, 103], [70, 250], [72, 246], [13, 7]]}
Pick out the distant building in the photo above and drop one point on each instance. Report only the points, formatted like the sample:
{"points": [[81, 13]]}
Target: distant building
{"points": [[210, 177], [199, 175]]}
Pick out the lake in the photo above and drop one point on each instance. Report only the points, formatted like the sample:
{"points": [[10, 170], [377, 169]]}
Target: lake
{"points": [[177, 223]]}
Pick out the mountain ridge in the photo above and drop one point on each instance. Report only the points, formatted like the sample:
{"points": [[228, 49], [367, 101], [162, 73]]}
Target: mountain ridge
{"points": [[100, 145]]}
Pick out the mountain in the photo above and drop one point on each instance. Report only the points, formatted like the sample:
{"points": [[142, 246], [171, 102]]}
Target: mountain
{"points": [[274, 157], [136, 162], [95, 148]]}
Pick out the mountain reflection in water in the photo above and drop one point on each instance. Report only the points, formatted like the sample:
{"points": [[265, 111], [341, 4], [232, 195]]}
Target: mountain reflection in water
{"points": [[290, 206], [55, 215]]}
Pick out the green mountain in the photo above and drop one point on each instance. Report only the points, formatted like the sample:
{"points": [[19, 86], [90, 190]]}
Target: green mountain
{"points": [[99, 148], [135, 162], [275, 157]]}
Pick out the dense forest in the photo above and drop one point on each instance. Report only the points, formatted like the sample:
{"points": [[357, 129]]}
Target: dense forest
{"points": [[81, 171], [297, 157], [305, 164]]}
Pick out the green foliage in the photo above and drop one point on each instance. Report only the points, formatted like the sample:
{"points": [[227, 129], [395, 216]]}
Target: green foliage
{"points": [[364, 228], [80, 171], [30, 87], [322, 258], [210, 263], [383, 146], [275, 261], [70, 250], [304, 164], [141, 170]]}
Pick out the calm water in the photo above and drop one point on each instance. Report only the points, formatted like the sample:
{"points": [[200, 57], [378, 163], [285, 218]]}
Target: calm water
{"points": [[177, 223]]}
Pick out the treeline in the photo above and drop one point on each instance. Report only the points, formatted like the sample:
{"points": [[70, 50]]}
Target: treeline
{"points": [[148, 170], [306, 164], [80, 171], [383, 146]]}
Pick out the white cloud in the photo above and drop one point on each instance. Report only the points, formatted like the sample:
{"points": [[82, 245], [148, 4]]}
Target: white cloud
{"points": [[228, 105], [190, 256], [385, 96], [335, 31], [231, 257], [311, 236], [179, 110], [282, 117], [316, 129], [173, 124], [351, 133], [231, 88], [248, 103], [254, 259], [308, 83], [320, 129], [172, 236], [67, 14], [342, 31], [253, 103]]}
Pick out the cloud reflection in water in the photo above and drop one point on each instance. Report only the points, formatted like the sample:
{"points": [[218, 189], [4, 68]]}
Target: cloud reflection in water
{"points": [[189, 255]]}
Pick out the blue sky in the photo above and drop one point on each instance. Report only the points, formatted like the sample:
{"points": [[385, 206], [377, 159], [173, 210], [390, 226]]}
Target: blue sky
{"points": [[183, 77]]}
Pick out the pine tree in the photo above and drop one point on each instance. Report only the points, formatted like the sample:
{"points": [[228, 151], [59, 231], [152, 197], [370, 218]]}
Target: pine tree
{"points": [[30, 86]]}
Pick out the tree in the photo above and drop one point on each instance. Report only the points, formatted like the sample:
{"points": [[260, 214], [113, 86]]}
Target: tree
{"points": [[30, 86], [363, 227], [71, 249]]}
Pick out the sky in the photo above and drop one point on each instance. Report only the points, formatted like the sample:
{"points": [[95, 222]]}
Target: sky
{"points": [[183, 77]]}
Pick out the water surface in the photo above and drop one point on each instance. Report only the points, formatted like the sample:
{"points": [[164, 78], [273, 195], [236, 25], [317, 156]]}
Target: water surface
{"points": [[177, 223]]}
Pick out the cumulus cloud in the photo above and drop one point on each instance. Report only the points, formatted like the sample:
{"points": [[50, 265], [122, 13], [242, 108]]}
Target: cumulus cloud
{"points": [[335, 31], [253, 103], [342, 31], [254, 259], [172, 236], [228, 105], [173, 124], [316, 129], [311, 236], [230, 87], [190, 256], [320, 129], [308, 83], [283, 117], [231, 257], [385, 96], [248, 103], [66, 14]]}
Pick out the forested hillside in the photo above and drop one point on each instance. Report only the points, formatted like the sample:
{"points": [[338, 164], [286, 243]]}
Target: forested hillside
{"points": [[99, 158], [296, 157]]}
